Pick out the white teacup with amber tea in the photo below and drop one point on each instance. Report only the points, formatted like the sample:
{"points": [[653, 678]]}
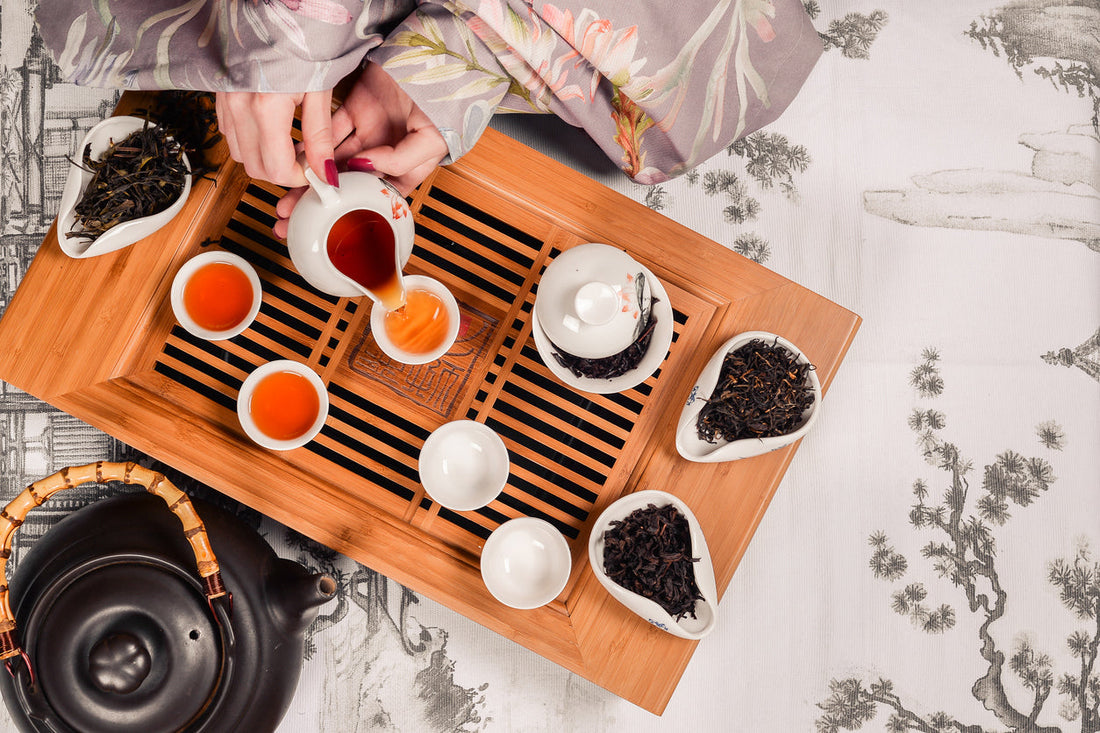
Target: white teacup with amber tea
{"points": [[353, 240], [424, 328]]}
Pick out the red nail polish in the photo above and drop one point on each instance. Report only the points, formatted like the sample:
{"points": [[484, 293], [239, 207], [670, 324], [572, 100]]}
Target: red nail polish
{"points": [[363, 165], [331, 175]]}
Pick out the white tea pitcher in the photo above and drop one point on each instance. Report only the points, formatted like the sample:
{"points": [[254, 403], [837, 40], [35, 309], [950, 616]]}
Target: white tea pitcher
{"points": [[353, 240]]}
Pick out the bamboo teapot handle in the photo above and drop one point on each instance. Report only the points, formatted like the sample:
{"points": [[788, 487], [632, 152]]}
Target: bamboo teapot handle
{"points": [[12, 516]]}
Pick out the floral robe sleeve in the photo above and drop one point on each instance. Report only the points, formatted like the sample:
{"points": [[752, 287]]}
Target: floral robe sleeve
{"points": [[659, 86]]}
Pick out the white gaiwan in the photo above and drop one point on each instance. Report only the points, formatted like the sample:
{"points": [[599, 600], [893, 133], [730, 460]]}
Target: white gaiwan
{"points": [[694, 448], [100, 138], [706, 608], [593, 300]]}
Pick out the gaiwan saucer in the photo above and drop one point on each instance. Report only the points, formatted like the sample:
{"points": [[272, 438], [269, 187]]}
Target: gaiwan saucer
{"points": [[706, 608], [654, 356], [100, 138], [694, 448]]}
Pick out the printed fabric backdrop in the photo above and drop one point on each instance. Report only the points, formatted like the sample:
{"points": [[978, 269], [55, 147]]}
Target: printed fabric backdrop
{"points": [[931, 562]]}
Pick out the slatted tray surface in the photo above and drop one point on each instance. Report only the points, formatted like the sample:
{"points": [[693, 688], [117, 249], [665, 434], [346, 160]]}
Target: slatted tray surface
{"points": [[355, 487]]}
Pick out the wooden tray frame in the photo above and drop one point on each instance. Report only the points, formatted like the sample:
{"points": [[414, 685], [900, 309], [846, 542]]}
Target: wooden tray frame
{"points": [[90, 337]]}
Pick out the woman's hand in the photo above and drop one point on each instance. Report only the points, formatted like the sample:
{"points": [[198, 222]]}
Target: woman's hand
{"points": [[257, 128], [380, 123], [382, 131]]}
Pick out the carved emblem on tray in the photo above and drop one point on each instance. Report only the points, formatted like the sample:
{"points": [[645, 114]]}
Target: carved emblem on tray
{"points": [[436, 385]]}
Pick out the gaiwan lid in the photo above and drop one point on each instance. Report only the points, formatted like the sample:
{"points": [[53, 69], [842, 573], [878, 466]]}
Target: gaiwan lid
{"points": [[592, 300]]}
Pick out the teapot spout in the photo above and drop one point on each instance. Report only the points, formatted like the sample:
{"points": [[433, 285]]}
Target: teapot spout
{"points": [[296, 594]]}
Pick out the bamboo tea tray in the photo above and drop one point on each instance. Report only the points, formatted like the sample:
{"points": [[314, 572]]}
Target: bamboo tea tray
{"points": [[97, 339]]}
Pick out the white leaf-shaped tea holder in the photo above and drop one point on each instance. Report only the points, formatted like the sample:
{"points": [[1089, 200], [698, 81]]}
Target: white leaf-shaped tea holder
{"points": [[694, 448], [100, 137], [706, 609]]}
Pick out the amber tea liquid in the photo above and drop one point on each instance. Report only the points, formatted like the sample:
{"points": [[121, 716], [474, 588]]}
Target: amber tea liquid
{"points": [[361, 245], [421, 325], [218, 296], [284, 405]]}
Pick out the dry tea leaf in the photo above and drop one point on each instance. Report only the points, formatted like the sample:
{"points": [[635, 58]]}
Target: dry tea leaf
{"points": [[649, 553], [139, 176], [762, 391]]}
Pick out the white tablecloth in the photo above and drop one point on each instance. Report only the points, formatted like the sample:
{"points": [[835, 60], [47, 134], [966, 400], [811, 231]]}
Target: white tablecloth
{"points": [[937, 175]]}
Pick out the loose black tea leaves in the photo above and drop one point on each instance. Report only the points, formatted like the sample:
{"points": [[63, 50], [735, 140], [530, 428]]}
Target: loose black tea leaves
{"points": [[762, 391], [191, 118], [139, 176], [616, 365], [649, 553]]}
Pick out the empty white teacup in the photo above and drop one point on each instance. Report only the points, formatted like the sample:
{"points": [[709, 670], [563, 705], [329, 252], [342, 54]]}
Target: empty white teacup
{"points": [[463, 465], [525, 563]]}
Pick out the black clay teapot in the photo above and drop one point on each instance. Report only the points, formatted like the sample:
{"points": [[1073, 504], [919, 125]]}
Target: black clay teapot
{"points": [[124, 620]]}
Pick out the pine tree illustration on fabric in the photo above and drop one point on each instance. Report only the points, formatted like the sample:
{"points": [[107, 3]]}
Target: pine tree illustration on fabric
{"points": [[770, 160], [1085, 356], [1062, 33], [373, 618], [962, 512], [854, 33]]}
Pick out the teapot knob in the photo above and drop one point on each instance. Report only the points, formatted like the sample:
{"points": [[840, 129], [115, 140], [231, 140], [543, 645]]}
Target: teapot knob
{"points": [[596, 303], [119, 663]]}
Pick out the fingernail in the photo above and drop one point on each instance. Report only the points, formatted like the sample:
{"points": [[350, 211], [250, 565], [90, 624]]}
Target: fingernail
{"points": [[331, 175], [363, 165]]}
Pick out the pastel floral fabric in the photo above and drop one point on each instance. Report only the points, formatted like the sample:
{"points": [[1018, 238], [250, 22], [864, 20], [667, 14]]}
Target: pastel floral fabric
{"points": [[659, 87]]}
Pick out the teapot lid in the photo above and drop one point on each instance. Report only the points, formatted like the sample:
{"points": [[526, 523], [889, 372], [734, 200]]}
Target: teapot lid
{"points": [[592, 299], [126, 644]]}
